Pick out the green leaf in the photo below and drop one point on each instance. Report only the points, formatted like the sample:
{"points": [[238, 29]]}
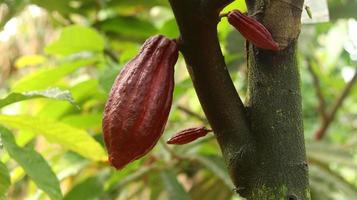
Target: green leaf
{"points": [[84, 120], [80, 92], [46, 77], [27, 60], [52, 93], [128, 27], [4, 180], [170, 29], [128, 175], [54, 5], [326, 181], [181, 88], [89, 189], [33, 164], [67, 136], [156, 186], [210, 188], [107, 77], [330, 153], [174, 189], [70, 164], [217, 166], [75, 39]]}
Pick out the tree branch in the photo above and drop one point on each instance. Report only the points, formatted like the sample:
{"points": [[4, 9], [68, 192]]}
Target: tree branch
{"points": [[318, 90], [197, 21], [321, 132], [193, 114]]}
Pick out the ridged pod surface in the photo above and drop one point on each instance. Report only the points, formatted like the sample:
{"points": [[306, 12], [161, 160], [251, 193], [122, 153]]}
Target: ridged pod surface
{"points": [[188, 135], [139, 102], [252, 30]]}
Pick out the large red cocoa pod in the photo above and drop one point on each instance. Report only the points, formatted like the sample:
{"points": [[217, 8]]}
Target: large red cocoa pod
{"points": [[139, 102]]}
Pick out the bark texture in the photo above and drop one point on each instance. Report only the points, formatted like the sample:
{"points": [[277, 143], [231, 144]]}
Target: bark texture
{"points": [[275, 105], [262, 142], [276, 123]]}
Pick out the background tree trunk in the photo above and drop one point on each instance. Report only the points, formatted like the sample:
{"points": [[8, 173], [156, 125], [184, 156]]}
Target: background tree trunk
{"points": [[262, 142]]}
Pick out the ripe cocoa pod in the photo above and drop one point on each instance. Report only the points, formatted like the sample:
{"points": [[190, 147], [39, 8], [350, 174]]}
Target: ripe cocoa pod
{"points": [[252, 30], [139, 102], [188, 135]]}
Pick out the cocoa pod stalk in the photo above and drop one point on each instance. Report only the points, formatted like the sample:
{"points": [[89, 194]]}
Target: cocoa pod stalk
{"points": [[139, 102], [188, 135], [252, 30]]}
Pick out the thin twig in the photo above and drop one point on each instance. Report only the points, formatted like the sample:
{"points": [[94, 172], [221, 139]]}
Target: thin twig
{"points": [[193, 114], [321, 132], [316, 82]]}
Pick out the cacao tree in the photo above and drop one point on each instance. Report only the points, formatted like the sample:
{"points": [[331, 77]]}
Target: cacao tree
{"points": [[262, 140], [242, 138]]}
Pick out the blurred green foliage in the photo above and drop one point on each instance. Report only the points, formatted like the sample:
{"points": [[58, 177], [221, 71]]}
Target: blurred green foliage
{"points": [[58, 68]]}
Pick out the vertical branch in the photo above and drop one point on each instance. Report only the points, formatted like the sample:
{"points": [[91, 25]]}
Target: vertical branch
{"points": [[197, 21], [275, 105]]}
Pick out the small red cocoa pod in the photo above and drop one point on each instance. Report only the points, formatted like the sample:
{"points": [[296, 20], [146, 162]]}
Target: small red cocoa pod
{"points": [[188, 135], [139, 102], [252, 30]]}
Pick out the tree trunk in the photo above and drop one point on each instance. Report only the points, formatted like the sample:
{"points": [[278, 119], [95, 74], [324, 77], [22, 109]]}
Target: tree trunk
{"points": [[262, 142]]}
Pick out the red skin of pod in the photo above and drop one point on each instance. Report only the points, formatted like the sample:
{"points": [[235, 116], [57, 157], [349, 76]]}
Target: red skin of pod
{"points": [[139, 103], [252, 30], [188, 135]]}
